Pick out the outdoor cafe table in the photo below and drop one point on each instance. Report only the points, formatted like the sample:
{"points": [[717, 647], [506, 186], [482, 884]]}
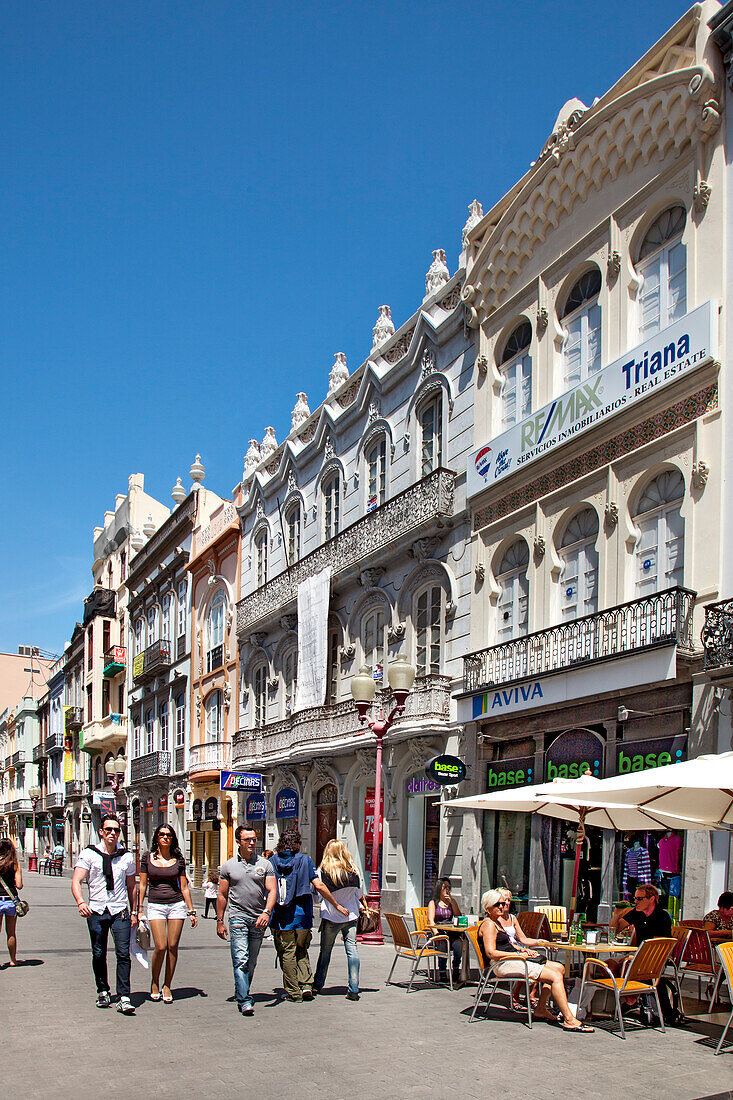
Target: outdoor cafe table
{"points": [[591, 950], [457, 930]]}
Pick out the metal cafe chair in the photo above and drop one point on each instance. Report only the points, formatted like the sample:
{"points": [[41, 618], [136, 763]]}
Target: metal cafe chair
{"points": [[487, 975], [427, 951], [725, 954], [535, 925], [642, 976]]}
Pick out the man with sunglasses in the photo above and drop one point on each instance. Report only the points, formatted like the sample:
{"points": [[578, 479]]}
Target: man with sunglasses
{"points": [[110, 873]]}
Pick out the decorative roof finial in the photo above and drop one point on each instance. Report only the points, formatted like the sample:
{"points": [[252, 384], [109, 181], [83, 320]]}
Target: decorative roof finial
{"points": [[178, 492], [149, 527], [383, 328], [475, 214], [301, 412], [269, 444], [252, 458], [438, 273], [339, 372], [197, 472]]}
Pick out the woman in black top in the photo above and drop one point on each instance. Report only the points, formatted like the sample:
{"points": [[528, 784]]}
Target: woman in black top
{"points": [[11, 879], [163, 871]]}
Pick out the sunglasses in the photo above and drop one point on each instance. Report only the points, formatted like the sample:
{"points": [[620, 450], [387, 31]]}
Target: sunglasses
{"points": [[110, 830]]}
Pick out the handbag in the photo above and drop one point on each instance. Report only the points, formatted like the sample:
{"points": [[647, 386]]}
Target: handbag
{"points": [[142, 935], [368, 920], [21, 907]]}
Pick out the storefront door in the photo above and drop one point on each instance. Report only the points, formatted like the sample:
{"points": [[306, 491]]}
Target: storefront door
{"points": [[326, 805], [423, 849]]}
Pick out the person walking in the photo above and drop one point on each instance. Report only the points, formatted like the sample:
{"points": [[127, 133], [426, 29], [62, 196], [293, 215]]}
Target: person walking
{"points": [[247, 883], [110, 873], [163, 870], [211, 892], [339, 873], [11, 881], [292, 919]]}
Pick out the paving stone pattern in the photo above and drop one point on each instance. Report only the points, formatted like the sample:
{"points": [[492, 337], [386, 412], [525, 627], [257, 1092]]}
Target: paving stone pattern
{"points": [[387, 1045]]}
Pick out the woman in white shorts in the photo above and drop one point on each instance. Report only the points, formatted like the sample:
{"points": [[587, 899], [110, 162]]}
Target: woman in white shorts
{"points": [[163, 876], [509, 959]]}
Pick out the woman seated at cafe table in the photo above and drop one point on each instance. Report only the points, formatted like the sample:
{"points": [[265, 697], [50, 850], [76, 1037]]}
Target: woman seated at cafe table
{"points": [[509, 953], [442, 908]]}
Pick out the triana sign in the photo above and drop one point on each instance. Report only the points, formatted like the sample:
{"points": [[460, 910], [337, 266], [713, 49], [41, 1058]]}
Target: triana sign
{"points": [[676, 350], [241, 781], [255, 807], [286, 803], [575, 753], [446, 769], [510, 773]]}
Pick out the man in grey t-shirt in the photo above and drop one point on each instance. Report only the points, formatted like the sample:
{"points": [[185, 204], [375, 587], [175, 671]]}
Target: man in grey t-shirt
{"points": [[248, 883]]}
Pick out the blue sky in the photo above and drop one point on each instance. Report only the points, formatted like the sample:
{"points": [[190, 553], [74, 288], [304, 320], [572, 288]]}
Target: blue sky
{"points": [[202, 202]]}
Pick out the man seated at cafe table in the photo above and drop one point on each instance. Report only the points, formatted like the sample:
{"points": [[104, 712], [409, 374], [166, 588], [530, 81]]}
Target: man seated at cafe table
{"points": [[647, 920], [722, 917]]}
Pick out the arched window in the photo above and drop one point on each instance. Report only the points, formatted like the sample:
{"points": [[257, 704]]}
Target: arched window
{"points": [[214, 723], [149, 731], [513, 603], [376, 466], [292, 524], [215, 630], [662, 265], [259, 692], [290, 680], [429, 620], [661, 543], [180, 720], [331, 506], [581, 323], [163, 719], [373, 638], [430, 418], [261, 558], [579, 575], [516, 376]]}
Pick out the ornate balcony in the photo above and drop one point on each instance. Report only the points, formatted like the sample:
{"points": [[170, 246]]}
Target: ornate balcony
{"points": [[107, 735], [659, 620], [74, 788], [21, 806], [150, 766], [54, 801], [152, 661], [308, 733], [114, 662], [74, 718], [717, 638], [424, 507], [55, 743], [19, 757], [211, 756], [39, 753]]}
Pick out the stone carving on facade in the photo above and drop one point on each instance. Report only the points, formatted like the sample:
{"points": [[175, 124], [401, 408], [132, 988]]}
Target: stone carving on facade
{"points": [[227, 693], [701, 196], [482, 366], [197, 704], [321, 773], [289, 622], [339, 372], [427, 363], [424, 548], [480, 573], [292, 483], [561, 137], [613, 266], [300, 413], [700, 474], [309, 433], [419, 753], [541, 321], [611, 515], [438, 273], [269, 444], [475, 214], [369, 578], [539, 547], [257, 638], [400, 348], [702, 88], [178, 492], [252, 458], [349, 395], [272, 684], [451, 300], [348, 652], [272, 467], [374, 411], [328, 449], [365, 765], [384, 327], [396, 633]]}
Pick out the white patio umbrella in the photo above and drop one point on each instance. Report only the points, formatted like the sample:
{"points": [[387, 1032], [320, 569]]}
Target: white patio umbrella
{"points": [[582, 800]]}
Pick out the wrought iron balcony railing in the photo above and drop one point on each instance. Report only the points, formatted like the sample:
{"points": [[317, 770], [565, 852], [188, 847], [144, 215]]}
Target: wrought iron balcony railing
{"points": [[153, 660], [717, 635], [662, 619], [39, 752], [21, 806], [54, 801], [426, 505], [55, 742], [74, 718], [19, 757], [337, 724], [212, 755], [150, 766], [74, 788]]}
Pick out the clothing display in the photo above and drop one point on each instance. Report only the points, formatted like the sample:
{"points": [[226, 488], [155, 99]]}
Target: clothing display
{"points": [[670, 853], [637, 866]]}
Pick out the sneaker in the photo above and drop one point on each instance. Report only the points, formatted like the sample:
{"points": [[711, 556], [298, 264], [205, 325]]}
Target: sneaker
{"points": [[125, 1006], [307, 994], [352, 996], [103, 999], [247, 1010]]}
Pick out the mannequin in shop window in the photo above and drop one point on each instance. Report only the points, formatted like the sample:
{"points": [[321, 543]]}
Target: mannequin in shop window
{"points": [[637, 867], [669, 875]]}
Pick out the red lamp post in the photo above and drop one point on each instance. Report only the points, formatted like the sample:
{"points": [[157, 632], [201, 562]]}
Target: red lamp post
{"points": [[401, 676], [35, 796]]}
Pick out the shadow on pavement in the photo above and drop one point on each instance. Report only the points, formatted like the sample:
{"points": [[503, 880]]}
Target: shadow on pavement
{"points": [[22, 962], [182, 993]]}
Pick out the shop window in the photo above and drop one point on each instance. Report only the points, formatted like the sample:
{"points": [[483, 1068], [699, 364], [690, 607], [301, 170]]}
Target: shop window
{"points": [[581, 324], [261, 558], [331, 506], [660, 546], [214, 716], [376, 464], [516, 376], [215, 631], [429, 618], [259, 691], [430, 419], [579, 574], [290, 680], [662, 267], [513, 602], [292, 523]]}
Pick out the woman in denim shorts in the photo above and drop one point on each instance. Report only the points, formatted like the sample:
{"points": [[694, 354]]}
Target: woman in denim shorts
{"points": [[10, 877], [163, 873]]}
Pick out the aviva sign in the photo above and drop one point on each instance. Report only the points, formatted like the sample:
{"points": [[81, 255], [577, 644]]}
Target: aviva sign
{"points": [[674, 351]]}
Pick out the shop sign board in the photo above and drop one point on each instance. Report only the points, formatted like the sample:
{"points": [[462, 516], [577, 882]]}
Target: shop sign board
{"points": [[68, 766], [575, 753], [197, 809], [369, 818], [179, 798], [105, 800], [255, 807], [446, 769], [163, 803], [286, 803], [503, 774], [86, 814], [640, 756], [211, 808], [421, 785], [678, 349], [149, 804], [241, 781]]}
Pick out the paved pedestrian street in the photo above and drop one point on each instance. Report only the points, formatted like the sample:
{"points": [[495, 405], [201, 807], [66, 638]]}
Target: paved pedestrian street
{"points": [[57, 1043]]}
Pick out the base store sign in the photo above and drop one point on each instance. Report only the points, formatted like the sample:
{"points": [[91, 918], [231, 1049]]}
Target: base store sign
{"points": [[676, 350]]}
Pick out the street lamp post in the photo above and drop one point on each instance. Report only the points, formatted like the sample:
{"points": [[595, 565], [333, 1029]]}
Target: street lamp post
{"points": [[401, 676], [35, 796], [115, 770]]}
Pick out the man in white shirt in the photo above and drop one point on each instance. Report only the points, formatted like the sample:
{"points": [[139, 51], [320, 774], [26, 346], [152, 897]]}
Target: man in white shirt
{"points": [[110, 873]]}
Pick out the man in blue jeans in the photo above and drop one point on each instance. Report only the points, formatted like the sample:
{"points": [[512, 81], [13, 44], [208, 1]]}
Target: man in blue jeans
{"points": [[110, 872], [248, 884]]}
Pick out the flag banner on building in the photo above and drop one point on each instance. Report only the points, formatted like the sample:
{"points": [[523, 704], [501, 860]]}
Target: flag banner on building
{"points": [[68, 766], [313, 599]]}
